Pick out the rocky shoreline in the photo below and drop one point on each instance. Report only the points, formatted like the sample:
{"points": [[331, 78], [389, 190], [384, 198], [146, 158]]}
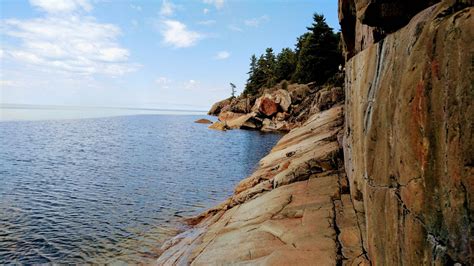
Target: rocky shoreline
{"points": [[272, 218], [277, 109], [384, 177]]}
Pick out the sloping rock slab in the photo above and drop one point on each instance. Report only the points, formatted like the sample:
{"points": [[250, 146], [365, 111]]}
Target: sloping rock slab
{"points": [[284, 213]]}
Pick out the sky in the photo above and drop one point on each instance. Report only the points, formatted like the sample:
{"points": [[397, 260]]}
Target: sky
{"points": [[141, 54]]}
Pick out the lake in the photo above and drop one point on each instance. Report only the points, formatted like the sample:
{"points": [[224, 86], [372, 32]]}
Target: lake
{"points": [[108, 190]]}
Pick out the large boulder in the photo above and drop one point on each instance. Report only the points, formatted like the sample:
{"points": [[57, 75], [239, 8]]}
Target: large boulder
{"points": [[203, 121], [298, 92], [218, 126], [283, 99], [265, 105], [242, 121], [270, 104], [240, 105], [228, 115], [274, 125], [218, 106], [328, 97]]}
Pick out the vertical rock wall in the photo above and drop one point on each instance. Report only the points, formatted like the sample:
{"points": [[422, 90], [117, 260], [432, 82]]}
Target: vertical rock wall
{"points": [[408, 146]]}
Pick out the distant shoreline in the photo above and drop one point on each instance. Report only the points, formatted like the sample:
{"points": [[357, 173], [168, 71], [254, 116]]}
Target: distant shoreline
{"points": [[29, 112], [75, 107]]}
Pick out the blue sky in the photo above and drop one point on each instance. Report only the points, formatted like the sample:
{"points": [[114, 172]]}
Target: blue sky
{"points": [[144, 54]]}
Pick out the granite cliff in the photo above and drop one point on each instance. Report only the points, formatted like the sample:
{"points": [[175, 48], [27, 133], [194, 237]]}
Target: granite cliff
{"points": [[385, 178], [408, 144]]}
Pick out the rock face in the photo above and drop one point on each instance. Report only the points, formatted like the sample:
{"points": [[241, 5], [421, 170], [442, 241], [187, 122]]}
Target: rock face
{"points": [[364, 22], [386, 179], [203, 121], [408, 139], [217, 107], [291, 210]]}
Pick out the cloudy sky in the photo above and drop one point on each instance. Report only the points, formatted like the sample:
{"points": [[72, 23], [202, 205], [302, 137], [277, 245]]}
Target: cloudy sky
{"points": [[142, 54]]}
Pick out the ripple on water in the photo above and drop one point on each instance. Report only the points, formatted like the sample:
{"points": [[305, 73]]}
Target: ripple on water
{"points": [[112, 189]]}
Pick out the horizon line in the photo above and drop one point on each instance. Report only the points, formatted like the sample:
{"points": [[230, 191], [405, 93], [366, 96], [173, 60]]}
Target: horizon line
{"points": [[53, 107]]}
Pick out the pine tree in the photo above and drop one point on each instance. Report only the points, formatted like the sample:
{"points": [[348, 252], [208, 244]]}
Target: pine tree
{"points": [[250, 88], [318, 53], [285, 64], [232, 87], [270, 66], [261, 72]]}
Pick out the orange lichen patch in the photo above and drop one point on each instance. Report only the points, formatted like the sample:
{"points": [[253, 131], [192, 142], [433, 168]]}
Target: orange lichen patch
{"points": [[418, 111], [435, 69], [285, 165]]}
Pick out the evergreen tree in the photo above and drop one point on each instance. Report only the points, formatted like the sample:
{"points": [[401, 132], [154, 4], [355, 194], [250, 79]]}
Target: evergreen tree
{"points": [[316, 58], [232, 87], [250, 87], [318, 53], [261, 72], [285, 64], [269, 67]]}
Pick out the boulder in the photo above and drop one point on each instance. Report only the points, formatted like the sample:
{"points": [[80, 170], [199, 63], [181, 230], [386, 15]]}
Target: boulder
{"points": [[268, 107], [240, 121], [273, 125], [282, 98], [218, 126], [228, 115], [217, 107], [203, 121], [252, 123], [328, 97], [281, 116], [240, 105], [298, 92], [282, 126]]}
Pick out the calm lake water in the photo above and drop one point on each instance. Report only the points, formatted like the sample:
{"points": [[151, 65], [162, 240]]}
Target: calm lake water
{"points": [[108, 190]]}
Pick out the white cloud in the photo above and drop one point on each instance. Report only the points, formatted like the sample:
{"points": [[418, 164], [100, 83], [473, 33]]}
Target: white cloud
{"points": [[177, 35], [191, 84], [136, 7], [167, 8], [207, 22], [255, 22], [61, 6], [7, 83], [205, 10], [134, 22], [74, 44], [163, 82], [235, 28], [222, 55], [217, 3]]}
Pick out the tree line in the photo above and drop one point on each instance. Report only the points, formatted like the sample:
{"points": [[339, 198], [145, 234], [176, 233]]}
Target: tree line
{"points": [[316, 57]]}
